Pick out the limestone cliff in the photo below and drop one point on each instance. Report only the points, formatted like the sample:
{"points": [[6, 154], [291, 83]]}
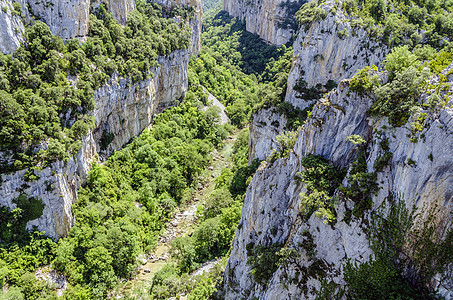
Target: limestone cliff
{"points": [[272, 20], [330, 49], [322, 52], [265, 126], [69, 19], [122, 109], [11, 28], [421, 172]]}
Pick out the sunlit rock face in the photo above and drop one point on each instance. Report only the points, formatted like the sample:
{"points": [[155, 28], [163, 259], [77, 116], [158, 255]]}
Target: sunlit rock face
{"points": [[123, 109], [11, 28], [271, 209], [272, 20]]}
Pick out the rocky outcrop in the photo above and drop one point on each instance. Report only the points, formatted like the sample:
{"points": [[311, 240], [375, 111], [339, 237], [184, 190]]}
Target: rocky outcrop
{"points": [[272, 20], [420, 172], [265, 126], [65, 19], [122, 109], [11, 28], [330, 50], [118, 8]]}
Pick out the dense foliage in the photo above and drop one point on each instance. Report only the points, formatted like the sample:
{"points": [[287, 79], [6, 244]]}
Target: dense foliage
{"points": [[40, 100], [394, 227], [229, 54], [213, 236], [409, 74], [392, 22], [322, 179], [21, 251], [127, 200]]}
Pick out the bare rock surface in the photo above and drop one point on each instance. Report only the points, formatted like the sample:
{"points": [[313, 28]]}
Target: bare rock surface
{"points": [[272, 20], [271, 209]]}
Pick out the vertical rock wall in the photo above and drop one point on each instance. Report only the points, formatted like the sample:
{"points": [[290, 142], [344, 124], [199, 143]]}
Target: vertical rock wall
{"points": [[122, 108], [321, 53], [271, 208], [11, 28], [272, 20]]}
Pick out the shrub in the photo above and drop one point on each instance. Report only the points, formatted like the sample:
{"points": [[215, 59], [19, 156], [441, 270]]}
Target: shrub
{"points": [[365, 80]]}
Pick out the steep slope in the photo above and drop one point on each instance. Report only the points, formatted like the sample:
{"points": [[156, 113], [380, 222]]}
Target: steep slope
{"points": [[11, 28], [272, 212], [123, 110], [325, 51]]}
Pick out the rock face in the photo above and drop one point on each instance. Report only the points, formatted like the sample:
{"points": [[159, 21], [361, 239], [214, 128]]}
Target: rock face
{"points": [[272, 20], [324, 52], [11, 28], [271, 209], [265, 126], [123, 109], [69, 19], [320, 55]]}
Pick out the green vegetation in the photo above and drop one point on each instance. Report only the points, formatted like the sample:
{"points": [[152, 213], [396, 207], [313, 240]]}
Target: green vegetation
{"points": [[393, 227], [309, 13], [214, 234], [365, 80], [229, 53], [264, 261], [315, 92], [124, 204], [408, 77], [22, 252], [40, 102], [322, 179], [361, 183], [392, 22], [155, 171]]}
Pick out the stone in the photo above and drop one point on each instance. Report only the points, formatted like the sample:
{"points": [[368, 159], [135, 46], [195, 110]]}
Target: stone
{"points": [[266, 17], [123, 109], [11, 28], [272, 200]]}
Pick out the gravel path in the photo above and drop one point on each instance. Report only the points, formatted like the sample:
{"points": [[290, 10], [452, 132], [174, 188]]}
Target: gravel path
{"points": [[215, 102]]}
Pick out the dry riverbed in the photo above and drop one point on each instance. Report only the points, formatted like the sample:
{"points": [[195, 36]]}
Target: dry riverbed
{"points": [[184, 222]]}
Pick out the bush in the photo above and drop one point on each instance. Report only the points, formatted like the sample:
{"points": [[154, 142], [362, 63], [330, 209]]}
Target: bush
{"points": [[322, 179], [263, 260], [365, 80]]}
